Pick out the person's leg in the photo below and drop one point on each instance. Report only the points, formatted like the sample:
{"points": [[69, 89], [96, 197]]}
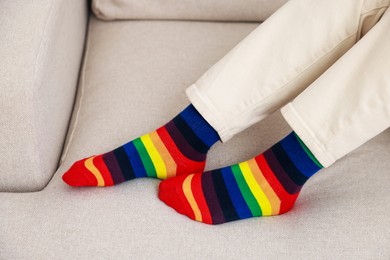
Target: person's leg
{"points": [[178, 147], [347, 106], [350, 103], [242, 96], [279, 59]]}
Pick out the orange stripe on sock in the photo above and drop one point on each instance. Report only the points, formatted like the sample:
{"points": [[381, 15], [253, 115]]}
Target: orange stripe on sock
{"points": [[186, 207], [265, 186], [196, 186], [190, 197], [287, 200], [170, 164], [92, 168], [179, 158], [101, 165]]}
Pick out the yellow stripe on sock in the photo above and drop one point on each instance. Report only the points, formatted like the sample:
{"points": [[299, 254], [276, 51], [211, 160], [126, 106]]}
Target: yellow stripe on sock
{"points": [[265, 186], [92, 168], [190, 197], [257, 192], [158, 162], [167, 158]]}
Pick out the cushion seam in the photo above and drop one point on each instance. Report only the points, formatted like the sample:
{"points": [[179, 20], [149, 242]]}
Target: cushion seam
{"points": [[81, 98], [34, 84]]}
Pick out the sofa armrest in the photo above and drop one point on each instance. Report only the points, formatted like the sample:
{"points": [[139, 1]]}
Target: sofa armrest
{"points": [[41, 49]]}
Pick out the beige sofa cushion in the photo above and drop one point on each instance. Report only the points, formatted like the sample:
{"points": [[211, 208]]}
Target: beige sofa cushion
{"points": [[219, 10], [133, 81], [41, 47]]}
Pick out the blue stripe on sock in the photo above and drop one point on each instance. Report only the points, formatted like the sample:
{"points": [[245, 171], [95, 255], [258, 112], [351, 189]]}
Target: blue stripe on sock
{"points": [[199, 125], [298, 155], [135, 160], [238, 200]]}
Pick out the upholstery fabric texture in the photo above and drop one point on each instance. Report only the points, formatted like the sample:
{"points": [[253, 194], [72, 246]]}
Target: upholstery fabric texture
{"points": [[133, 80], [40, 56], [211, 10]]}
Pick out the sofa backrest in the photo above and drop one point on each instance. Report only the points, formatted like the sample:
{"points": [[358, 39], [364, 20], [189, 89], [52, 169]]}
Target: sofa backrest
{"points": [[210, 10]]}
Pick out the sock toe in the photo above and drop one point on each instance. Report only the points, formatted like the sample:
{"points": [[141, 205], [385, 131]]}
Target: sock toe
{"points": [[78, 176], [169, 193]]}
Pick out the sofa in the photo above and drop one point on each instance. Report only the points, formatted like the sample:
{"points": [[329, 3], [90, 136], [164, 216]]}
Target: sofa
{"points": [[75, 82]]}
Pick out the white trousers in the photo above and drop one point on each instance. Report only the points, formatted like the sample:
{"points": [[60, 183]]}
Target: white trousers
{"points": [[324, 63]]}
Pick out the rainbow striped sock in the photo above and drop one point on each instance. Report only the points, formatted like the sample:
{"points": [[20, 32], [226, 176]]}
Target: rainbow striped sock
{"points": [[179, 147], [266, 185]]}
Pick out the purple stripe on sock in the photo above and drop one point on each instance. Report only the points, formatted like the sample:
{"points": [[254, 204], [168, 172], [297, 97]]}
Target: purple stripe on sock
{"points": [[211, 198], [113, 167], [186, 149], [280, 173]]}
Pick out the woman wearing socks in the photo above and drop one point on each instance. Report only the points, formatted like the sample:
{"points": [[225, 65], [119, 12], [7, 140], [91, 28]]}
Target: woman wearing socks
{"points": [[325, 64]]}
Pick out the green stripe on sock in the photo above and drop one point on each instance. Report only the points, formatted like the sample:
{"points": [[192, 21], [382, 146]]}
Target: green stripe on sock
{"points": [[146, 160], [246, 192], [308, 152]]}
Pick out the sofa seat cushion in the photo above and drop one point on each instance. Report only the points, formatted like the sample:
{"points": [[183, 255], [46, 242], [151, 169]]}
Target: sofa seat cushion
{"points": [[133, 81]]}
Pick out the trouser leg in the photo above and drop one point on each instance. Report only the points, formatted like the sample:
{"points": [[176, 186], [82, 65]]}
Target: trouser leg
{"points": [[350, 103], [279, 59]]}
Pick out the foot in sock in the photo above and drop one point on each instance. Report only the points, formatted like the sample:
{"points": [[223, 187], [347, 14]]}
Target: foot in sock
{"points": [[179, 147], [265, 185]]}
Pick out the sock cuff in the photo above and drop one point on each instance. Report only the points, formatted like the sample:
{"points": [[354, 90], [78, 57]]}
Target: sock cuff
{"points": [[199, 125], [307, 150], [300, 155]]}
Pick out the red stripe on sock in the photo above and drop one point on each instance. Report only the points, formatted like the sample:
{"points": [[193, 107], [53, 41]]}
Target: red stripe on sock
{"points": [[101, 166], [287, 200], [184, 165], [197, 191]]}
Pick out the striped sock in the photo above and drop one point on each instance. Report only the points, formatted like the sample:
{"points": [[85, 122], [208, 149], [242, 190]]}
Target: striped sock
{"points": [[266, 185], [179, 147]]}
